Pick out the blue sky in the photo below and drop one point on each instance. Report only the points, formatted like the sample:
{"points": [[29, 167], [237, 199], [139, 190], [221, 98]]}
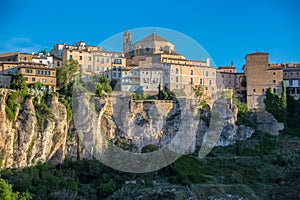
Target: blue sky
{"points": [[226, 29]]}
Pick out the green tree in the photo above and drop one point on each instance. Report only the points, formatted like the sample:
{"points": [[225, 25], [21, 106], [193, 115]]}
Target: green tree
{"points": [[277, 104], [199, 94], [6, 192], [103, 87], [143, 96], [65, 75], [18, 82]]}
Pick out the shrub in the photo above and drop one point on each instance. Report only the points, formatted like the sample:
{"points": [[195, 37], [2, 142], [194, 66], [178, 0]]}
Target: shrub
{"points": [[243, 116], [149, 148]]}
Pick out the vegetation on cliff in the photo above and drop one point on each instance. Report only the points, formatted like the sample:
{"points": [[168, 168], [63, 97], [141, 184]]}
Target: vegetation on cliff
{"points": [[277, 104], [263, 167]]}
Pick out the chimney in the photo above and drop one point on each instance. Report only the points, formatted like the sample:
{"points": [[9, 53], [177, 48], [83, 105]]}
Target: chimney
{"points": [[208, 61]]}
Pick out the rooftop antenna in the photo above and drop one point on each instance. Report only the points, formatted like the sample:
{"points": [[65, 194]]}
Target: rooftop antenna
{"points": [[231, 63], [153, 33]]}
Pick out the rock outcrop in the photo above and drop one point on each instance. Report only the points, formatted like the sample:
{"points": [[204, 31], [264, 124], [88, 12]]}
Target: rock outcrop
{"points": [[99, 122], [25, 140], [230, 131], [266, 122]]}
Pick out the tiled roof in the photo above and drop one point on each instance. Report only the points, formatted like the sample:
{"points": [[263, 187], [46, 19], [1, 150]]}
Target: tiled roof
{"points": [[257, 53], [153, 37]]}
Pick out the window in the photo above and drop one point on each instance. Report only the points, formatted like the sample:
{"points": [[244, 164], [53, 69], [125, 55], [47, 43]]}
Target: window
{"points": [[290, 82], [89, 68], [11, 70], [25, 58], [117, 61], [114, 68], [291, 73], [89, 58], [97, 68], [71, 57], [176, 78], [44, 80], [114, 74], [254, 90], [176, 70], [206, 73], [274, 90], [192, 72], [102, 60], [26, 78], [230, 70], [201, 81], [274, 73], [107, 60], [274, 81], [97, 59], [210, 82], [33, 79], [80, 57], [285, 74], [88, 77], [119, 68], [58, 64], [120, 75], [191, 80]]}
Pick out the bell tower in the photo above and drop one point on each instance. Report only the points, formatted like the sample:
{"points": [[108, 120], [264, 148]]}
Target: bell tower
{"points": [[127, 42]]}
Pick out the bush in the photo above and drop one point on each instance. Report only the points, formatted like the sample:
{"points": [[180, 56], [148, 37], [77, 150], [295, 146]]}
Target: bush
{"points": [[149, 148], [68, 106], [243, 117], [277, 104], [103, 87], [12, 104], [6, 192]]}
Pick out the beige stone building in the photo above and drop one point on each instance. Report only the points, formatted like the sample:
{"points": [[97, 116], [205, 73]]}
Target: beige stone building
{"points": [[156, 56], [35, 68], [91, 59], [261, 75]]}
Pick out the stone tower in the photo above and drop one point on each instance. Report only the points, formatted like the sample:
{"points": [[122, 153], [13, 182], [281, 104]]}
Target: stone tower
{"points": [[127, 39]]}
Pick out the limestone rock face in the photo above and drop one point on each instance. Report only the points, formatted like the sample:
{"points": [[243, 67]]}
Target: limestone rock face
{"points": [[230, 132], [100, 122], [266, 122], [25, 141]]}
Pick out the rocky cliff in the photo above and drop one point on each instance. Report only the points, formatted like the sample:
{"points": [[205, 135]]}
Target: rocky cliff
{"points": [[25, 140], [131, 125]]}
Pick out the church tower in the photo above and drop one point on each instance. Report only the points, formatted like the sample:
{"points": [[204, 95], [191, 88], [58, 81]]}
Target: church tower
{"points": [[127, 43]]}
